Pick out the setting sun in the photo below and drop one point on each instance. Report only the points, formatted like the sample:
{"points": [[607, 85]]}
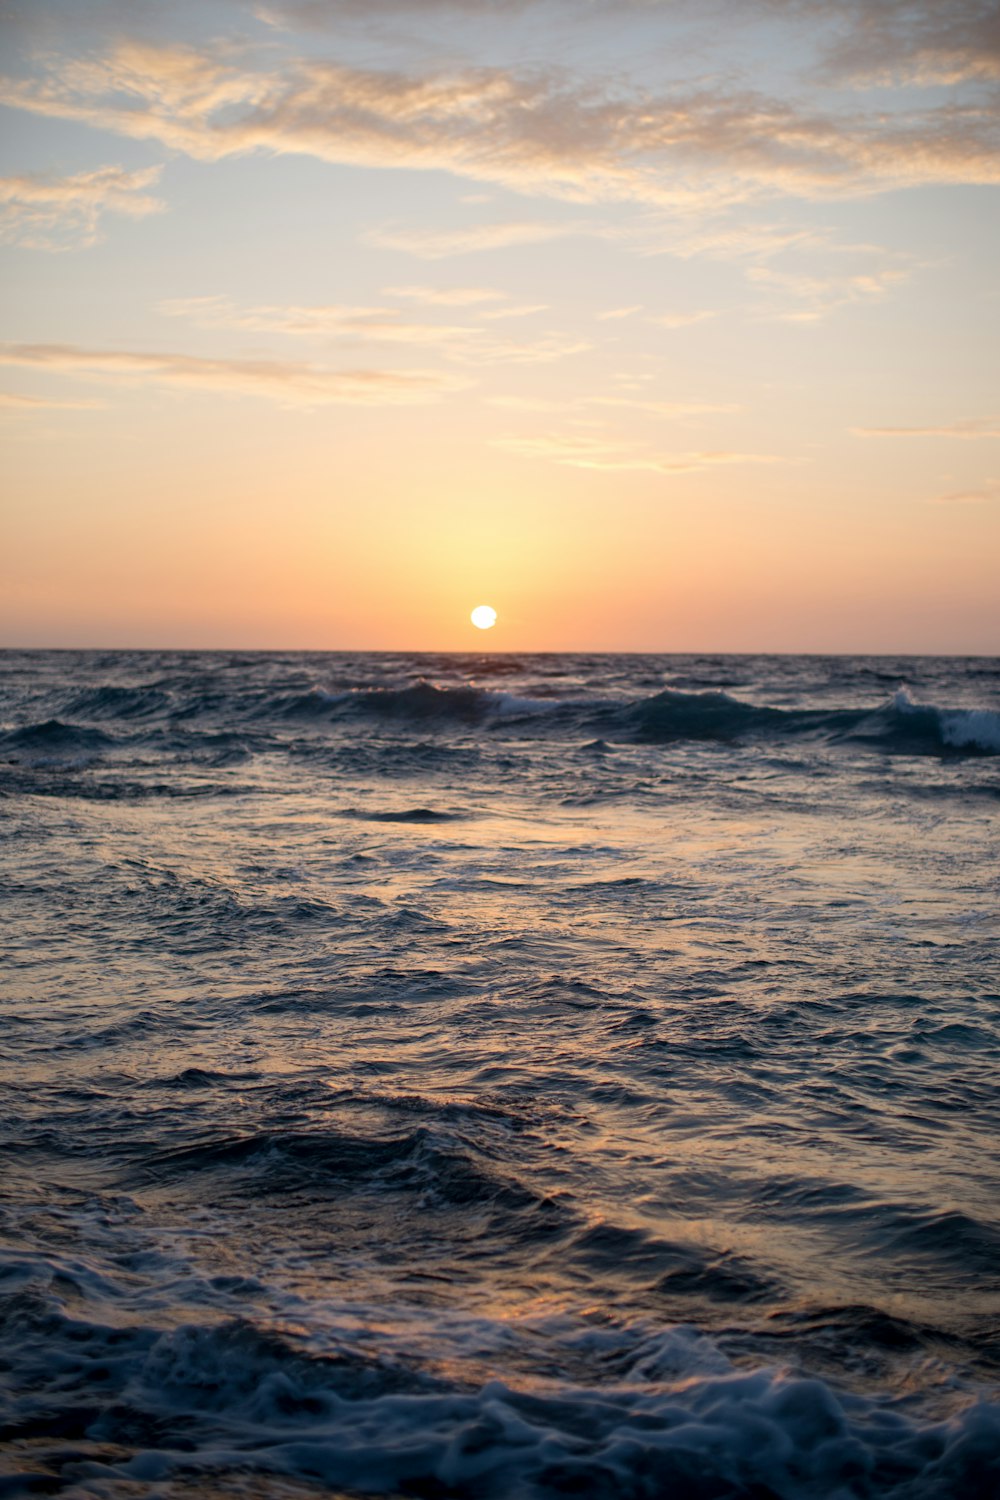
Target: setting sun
{"points": [[484, 617]]}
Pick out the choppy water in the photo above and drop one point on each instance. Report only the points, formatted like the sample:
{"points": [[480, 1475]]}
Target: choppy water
{"points": [[441, 1076]]}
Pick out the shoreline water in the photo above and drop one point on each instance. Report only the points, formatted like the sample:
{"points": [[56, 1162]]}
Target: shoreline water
{"points": [[429, 1084]]}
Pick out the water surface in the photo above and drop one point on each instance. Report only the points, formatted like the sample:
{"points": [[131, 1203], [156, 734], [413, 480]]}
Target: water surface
{"points": [[479, 1076]]}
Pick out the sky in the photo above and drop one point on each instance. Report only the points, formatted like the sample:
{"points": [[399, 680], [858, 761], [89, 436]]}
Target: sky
{"points": [[657, 325]]}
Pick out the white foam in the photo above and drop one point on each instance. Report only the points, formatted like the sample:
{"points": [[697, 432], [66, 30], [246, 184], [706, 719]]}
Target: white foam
{"points": [[962, 727], [399, 1399], [763, 1427]]}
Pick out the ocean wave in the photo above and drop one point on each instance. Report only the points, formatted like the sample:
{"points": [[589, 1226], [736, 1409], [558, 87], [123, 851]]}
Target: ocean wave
{"points": [[946, 1236], [404, 815], [54, 743], [648, 1410], [974, 730], [444, 1174], [54, 734], [695, 707], [682, 1271], [971, 728], [419, 702], [898, 725], [113, 702], [704, 716]]}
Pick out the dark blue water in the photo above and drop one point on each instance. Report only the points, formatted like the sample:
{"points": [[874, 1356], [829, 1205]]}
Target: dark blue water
{"points": [[459, 1076]]}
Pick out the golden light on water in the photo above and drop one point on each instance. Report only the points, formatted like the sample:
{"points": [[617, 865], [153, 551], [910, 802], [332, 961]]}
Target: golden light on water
{"points": [[484, 617]]}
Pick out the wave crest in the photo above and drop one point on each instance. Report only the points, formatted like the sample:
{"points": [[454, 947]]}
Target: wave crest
{"points": [[899, 725]]}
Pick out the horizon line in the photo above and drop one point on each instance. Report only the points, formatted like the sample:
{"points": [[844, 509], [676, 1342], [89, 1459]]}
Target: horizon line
{"points": [[471, 651]]}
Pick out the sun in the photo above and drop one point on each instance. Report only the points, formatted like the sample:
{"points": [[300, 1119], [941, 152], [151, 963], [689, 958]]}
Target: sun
{"points": [[484, 617]]}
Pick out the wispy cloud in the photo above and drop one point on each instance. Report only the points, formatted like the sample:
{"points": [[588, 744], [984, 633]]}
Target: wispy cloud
{"points": [[669, 409], [482, 300], [288, 383], [456, 296], [966, 427], [721, 238], [332, 321], [465, 343], [517, 310], [13, 401], [545, 349], [441, 244], [807, 299], [979, 495], [683, 319], [537, 131], [915, 41], [942, 41], [586, 451], [664, 410], [64, 213]]}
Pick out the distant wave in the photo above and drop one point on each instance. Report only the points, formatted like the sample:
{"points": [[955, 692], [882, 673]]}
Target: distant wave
{"points": [[113, 702], [898, 725], [54, 734], [404, 815], [53, 741], [714, 715], [420, 702]]}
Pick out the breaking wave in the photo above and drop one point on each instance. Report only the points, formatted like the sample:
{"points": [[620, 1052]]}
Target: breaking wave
{"points": [[900, 724], [649, 1410], [700, 710]]}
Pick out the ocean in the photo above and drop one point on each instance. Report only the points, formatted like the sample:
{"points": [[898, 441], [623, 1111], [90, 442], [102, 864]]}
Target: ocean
{"points": [[500, 1077]]}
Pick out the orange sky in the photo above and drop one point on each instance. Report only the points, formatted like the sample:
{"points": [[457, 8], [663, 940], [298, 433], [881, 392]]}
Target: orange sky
{"points": [[324, 324]]}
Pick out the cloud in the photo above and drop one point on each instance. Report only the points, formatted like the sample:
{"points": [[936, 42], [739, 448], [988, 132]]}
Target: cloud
{"points": [[12, 401], [719, 239], [814, 297], [458, 296], [980, 496], [431, 244], [468, 296], [851, 272], [472, 297], [519, 310], [544, 350], [669, 410], [584, 451], [538, 131], [858, 40], [63, 213], [320, 14], [967, 427], [530, 403], [683, 320], [289, 383], [916, 41], [357, 324], [466, 344], [613, 313]]}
